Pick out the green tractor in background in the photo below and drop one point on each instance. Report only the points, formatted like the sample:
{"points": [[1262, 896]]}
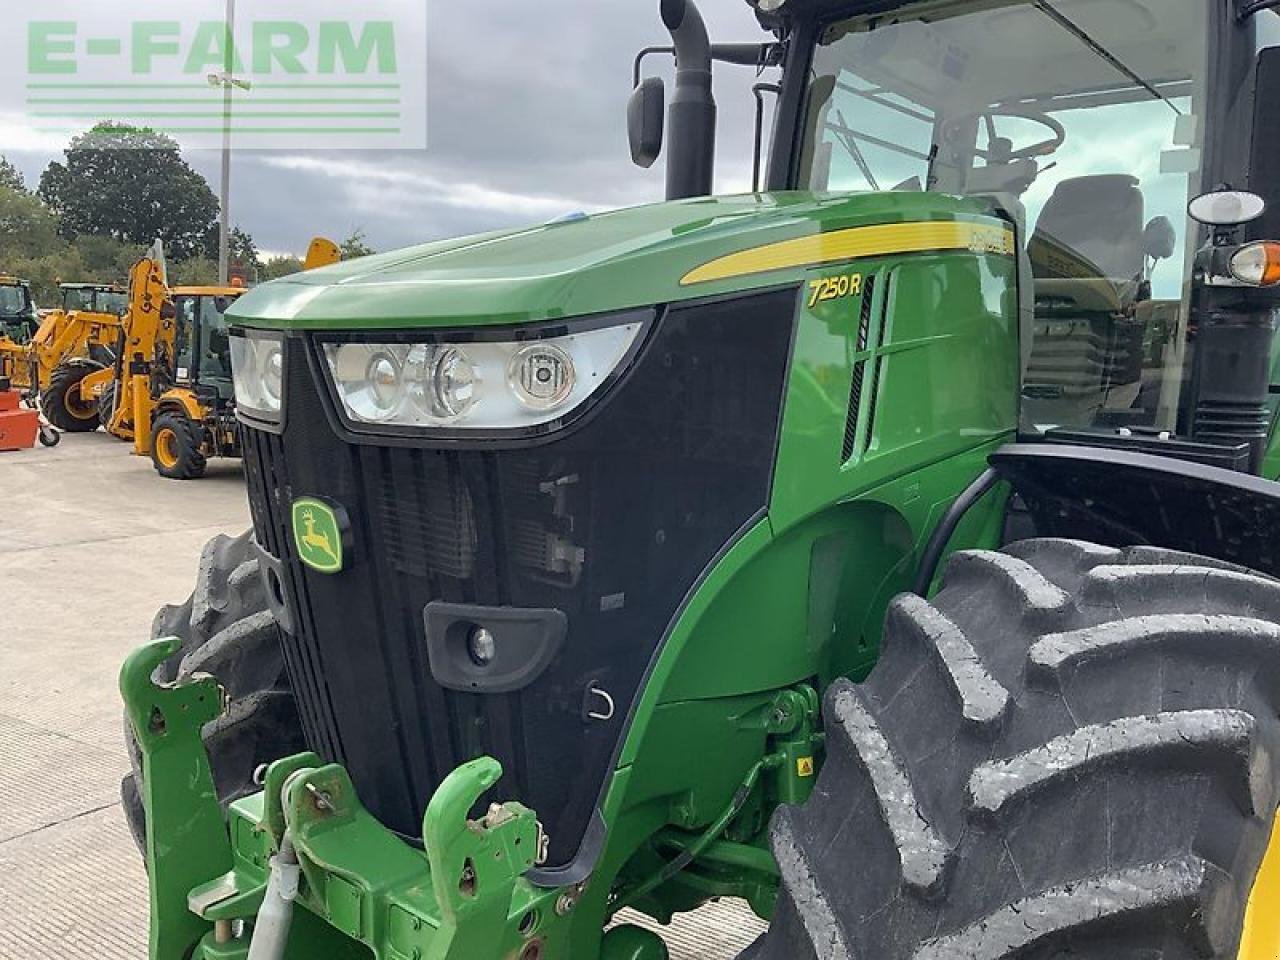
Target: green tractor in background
{"points": [[885, 547]]}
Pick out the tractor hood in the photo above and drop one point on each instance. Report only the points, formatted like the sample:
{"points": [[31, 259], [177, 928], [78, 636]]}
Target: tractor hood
{"points": [[581, 265]]}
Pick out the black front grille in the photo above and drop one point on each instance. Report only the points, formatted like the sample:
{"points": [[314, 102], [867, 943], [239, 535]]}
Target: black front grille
{"points": [[611, 521]]}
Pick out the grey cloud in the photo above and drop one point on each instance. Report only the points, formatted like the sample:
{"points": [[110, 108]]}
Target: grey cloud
{"points": [[525, 100]]}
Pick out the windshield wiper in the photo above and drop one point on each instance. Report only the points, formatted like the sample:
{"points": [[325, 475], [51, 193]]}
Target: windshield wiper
{"points": [[1079, 33]]}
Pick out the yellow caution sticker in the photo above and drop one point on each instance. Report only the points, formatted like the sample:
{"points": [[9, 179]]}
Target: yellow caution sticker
{"points": [[804, 767]]}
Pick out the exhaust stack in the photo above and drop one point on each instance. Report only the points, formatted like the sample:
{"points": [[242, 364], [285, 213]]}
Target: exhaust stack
{"points": [[691, 119]]}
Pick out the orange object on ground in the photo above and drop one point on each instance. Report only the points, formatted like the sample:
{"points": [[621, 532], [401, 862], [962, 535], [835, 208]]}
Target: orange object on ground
{"points": [[18, 425]]}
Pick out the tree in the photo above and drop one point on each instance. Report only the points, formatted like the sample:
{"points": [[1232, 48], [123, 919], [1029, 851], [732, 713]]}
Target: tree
{"points": [[130, 184], [11, 177], [356, 245], [194, 272], [27, 227], [278, 267], [243, 249], [241, 245]]}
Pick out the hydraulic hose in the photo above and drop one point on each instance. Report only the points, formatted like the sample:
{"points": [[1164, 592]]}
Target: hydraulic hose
{"points": [[695, 849], [275, 916]]}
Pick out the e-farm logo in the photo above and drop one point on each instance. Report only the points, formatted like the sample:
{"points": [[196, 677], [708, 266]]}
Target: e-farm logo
{"points": [[338, 75]]}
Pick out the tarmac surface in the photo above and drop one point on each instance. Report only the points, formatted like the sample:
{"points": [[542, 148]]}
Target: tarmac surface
{"points": [[92, 542]]}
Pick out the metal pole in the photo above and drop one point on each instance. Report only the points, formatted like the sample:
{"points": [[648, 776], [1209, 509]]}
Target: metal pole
{"points": [[224, 218]]}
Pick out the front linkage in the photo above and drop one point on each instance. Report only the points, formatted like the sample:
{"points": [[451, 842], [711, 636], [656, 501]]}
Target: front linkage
{"points": [[222, 886], [463, 897]]}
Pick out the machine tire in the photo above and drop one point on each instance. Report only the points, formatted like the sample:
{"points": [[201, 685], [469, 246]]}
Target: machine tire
{"points": [[175, 447], [1073, 751], [60, 400], [227, 630], [107, 404]]}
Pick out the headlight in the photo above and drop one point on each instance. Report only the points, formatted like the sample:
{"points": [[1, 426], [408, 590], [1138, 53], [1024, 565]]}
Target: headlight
{"points": [[475, 383], [257, 369]]}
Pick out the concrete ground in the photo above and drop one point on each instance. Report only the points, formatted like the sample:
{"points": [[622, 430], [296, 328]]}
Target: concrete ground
{"points": [[92, 542]]}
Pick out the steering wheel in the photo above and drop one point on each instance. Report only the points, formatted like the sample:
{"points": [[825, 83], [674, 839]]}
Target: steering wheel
{"points": [[1040, 149]]}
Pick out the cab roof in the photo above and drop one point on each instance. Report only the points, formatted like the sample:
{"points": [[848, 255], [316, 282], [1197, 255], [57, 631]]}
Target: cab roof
{"points": [[6, 281], [207, 291], [107, 287]]}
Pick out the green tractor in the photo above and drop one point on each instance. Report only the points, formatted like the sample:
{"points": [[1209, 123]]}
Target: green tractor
{"points": [[885, 547]]}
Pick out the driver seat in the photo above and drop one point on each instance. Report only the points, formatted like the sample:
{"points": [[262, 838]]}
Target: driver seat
{"points": [[1088, 259], [1091, 228]]}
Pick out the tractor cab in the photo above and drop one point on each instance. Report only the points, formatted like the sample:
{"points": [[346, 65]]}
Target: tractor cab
{"points": [[201, 344], [1092, 124], [18, 317]]}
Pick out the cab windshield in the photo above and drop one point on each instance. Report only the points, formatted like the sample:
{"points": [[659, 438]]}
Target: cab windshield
{"points": [[14, 302], [203, 347], [1083, 119], [94, 300]]}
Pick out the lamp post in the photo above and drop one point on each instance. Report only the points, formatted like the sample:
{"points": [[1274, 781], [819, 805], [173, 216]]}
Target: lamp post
{"points": [[228, 82]]}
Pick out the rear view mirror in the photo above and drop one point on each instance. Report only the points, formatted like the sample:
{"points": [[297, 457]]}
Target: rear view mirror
{"points": [[1226, 208], [1159, 238], [645, 116]]}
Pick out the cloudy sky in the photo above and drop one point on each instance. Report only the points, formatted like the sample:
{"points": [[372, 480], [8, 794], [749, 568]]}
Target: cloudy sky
{"points": [[525, 120]]}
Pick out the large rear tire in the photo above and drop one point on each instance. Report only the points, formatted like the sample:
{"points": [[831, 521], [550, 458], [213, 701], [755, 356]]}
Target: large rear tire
{"points": [[62, 404], [1070, 753], [227, 630]]}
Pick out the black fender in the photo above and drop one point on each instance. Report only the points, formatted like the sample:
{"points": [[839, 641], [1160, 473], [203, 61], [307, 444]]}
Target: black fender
{"points": [[1121, 498]]}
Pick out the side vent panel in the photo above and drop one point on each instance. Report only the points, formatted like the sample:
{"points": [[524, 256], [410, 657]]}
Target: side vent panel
{"points": [[859, 370], [864, 341]]}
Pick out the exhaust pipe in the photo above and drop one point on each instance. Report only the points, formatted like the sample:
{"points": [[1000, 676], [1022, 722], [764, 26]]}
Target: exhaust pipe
{"points": [[691, 119]]}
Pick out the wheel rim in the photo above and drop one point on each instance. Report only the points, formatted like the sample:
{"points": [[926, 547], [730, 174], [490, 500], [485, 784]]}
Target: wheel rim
{"points": [[1261, 939], [77, 406], [167, 448]]}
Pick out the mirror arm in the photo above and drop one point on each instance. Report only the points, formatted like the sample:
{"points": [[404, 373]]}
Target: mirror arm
{"points": [[759, 55], [635, 71]]}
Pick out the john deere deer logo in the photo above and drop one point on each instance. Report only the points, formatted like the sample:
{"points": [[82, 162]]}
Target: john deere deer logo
{"points": [[317, 534]]}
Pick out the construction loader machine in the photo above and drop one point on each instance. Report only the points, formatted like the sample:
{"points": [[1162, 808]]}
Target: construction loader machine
{"points": [[884, 546], [170, 389], [45, 357]]}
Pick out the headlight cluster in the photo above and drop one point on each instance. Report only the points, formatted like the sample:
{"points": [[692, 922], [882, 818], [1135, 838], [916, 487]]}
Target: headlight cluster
{"points": [[478, 384], [257, 369]]}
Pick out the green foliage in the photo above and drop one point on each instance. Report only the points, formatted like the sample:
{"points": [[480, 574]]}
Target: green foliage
{"points": [[243, 249], [10, 177], [107, 260], [30, 247], [356, 245], [241, 245], [278, 267], [27, 227], [130, 184], [193, 272]]}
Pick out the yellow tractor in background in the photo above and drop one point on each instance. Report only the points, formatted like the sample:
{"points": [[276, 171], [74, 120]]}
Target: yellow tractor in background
{"points": [[169, 390], [48, 356]]}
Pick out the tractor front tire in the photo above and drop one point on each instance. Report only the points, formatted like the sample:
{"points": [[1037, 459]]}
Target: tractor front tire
{"points": [[62, 404], [227, 630], [176, 445], [1071, 752]]}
